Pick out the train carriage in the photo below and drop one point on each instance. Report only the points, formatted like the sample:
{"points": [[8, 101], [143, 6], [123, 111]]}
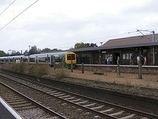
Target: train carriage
{"points": [[64, 59], [3, 60]]}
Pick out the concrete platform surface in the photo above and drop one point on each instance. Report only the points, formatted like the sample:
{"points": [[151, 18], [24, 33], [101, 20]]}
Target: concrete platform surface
{"points": [[6, 112]]}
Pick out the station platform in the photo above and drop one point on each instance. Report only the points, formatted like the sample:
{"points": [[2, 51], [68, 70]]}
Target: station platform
{"points": [[6, 112]]}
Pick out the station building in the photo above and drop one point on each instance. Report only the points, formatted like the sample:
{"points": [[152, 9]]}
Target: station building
{"points": [[128, 49]]}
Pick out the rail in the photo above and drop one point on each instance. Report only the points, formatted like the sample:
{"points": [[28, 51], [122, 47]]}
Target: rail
{"points": [[88, 103], [26, 102]]}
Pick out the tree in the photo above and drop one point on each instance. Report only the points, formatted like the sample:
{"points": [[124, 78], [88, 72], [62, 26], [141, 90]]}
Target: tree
{"points": [[26, 53], [2, 53], [71, 48], [91, 45], [34, 50], [80, 45], [49, 50], [46, 50], [15, 53], [84, 45], [55, 49]]}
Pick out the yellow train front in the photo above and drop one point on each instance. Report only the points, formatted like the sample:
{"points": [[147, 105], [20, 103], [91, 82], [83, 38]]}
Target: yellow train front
{"points": [[70, 59]]}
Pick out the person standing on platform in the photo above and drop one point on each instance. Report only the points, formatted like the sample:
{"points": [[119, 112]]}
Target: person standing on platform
{"points": [[118, 60], [138, 58], [108, 60]]}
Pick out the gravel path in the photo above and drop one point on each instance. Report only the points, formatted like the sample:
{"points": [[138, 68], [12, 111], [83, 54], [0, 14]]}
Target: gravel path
{"points": [[126, 83], [149, 81]]}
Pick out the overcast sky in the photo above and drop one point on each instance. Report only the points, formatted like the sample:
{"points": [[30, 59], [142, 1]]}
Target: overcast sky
{"points": [[63, 23]]}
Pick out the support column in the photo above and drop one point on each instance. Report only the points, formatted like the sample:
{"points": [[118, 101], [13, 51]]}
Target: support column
{"points": [[140, 65], [153, 40], [153, 55]]}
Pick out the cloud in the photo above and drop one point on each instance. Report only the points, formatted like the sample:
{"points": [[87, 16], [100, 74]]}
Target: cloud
{"points": [[55, 25], [5, 2]]}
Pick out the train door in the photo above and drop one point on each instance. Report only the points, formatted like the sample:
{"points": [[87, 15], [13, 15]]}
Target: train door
{"points": [[52, 60]]}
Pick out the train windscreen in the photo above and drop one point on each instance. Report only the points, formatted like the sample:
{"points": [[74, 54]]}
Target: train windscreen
{"points": [[71, 57]]}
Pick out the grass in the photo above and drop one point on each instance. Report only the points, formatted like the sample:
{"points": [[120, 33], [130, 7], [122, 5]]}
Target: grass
{"points": [[150, 81], [60, 73], [36, 70], [15, 67]]}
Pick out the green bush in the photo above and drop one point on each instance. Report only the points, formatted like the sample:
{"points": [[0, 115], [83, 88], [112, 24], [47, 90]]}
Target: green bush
{"points": [[31, 70], [60, 73], [16, 67], [22, 67], [42, 70], [38, 70]]}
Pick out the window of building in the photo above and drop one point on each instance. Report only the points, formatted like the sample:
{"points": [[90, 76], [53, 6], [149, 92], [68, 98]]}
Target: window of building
{"points": [[126, 56]]}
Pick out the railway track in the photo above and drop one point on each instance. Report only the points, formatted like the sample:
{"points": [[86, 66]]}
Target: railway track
{"points": [[27, 107], [98, 108]]}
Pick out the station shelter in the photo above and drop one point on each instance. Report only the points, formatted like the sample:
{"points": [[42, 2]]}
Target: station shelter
{"points": [[127, 49]]}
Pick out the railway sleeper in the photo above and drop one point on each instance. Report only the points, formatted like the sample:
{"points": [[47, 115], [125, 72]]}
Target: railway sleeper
{"points": [[144, 118], [25, 108], [13, 98], [69, 98], [82, 102], [99, 107], [14, 101], [66, 96], [57, 95], [128, 116], [117, 113], [107, 110], [76, 100], [23, 105], [19, 103], [88, 105]]}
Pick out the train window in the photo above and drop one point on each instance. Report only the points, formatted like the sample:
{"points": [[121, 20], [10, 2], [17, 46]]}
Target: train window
{"points": [[58, 59], [69, 56], [42, 59], [127, 56], [124, 56], [32, 59]]}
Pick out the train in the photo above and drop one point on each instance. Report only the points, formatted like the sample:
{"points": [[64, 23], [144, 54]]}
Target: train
{"points": [[64, 59]]}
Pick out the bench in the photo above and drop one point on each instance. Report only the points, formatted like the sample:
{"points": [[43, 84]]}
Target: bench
{"points": [[98, 72]]}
